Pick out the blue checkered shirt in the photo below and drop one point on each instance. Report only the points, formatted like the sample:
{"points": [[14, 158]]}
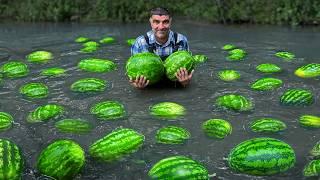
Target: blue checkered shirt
{"points": [[165, 49]]}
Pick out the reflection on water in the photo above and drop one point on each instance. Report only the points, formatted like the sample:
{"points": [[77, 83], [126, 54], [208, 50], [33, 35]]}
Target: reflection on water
{"points": [[261, 42]]}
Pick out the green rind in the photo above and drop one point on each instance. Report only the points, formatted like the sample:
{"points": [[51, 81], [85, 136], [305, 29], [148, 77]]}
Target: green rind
{"points": [[82, 39], [285, 55], [73, 126], [262, 157], [265, 84], [312, 168], [234, 102], [236, 54], [228, 47], [297, 97], [268, 68], [200, 58], [107, 40], [62, 159], [53, 72], [131, 42], [167, 110], [147, 64], [309, 121], [96, 65], [14, 69], [44, 113], [315, 151], [34, 90], [89, 49], [217, 128], [172, 135], [116, 145], [108, 110], [89, 85], [229, 75], [39, 56], [178, 167], [177, 60], [308, 71], [90, 44], [267, 125], [6, 121]]}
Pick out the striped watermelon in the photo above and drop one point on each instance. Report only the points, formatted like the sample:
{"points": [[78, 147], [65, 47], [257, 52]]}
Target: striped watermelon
{"points": [[268, 125], [200, 58], [236, 54], [5, 121], [117, 144], [312, 169], [228, 75], [285, 55], [228, 47], [268, 68], [131, 41], [297, 97], [308, 71], [53, 72], [310, 121], [108, 110], [172, 135], [89, 85], [62, 159], [89, 49], [262, 157], [235, 102], [39, 56], [34, 90], [177, 60], [178, 167], [44, 113], [169, 110], [265, 84], [73, 126], [107, 40], [14, 69], [217, 128], [91, 44], [82, 39], [96, 65], [315, 151]]}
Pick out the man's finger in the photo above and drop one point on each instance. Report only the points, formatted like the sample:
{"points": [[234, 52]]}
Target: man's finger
{"points": [[147, 83], [190, 75]]}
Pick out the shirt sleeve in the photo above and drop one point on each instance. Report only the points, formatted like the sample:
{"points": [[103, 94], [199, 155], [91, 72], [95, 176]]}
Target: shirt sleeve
{"points": [[139, 46], [184, 44]]}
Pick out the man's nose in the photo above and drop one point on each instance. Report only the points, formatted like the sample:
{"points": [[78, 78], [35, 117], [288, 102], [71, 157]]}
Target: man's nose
{"points": [[162, 26]]}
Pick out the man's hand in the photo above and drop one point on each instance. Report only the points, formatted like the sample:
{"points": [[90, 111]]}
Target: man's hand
{"points": [[140, 82], [183, 77]]}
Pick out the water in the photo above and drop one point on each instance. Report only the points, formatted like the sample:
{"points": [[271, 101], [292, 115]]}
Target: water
{"points": [[261, 42]]}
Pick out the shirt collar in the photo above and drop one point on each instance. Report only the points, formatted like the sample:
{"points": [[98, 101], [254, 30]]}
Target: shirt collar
{"points": [[152, 38]]}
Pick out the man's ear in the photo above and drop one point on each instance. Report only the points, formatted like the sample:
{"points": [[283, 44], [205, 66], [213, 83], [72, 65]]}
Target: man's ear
{"points": [[150, 20]]}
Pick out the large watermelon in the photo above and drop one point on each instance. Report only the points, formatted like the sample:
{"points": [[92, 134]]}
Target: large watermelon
{"points": [[235, 102], [117, 144], [147, 64], [262, 157], [178, 167], [14, 69], [297, 97], [177, 60], [308, 71], [63, 159]]}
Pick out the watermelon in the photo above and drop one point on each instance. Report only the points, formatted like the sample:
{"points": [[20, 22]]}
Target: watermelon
{"points": [[62, 159], [315, 151], [108, 110], [89, 85], [178, 167], [312, 169], [6, 121], [14, 69], [39, 56], [73, 126], [229, 47], [234, 102], [267, 125], [167, 110], [146, 64], [131, 41], [82, 39], [236, 54], [265, 84], [11, 162], [308, 71], [200, 58], [53, 72], [89, 49], [44, 113], [310, 121], [217, 128], [262, 157], [228, 75], [297, 97], [285, 55], [116, 145], [172, 135], [96, 65], [34, 90], [268, 68], [177, 60], [90, 44], [107, 40]]}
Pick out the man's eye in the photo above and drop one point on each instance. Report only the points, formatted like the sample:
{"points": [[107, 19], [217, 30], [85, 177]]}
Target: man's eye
{"points": [[165, 22], [156, 22]]}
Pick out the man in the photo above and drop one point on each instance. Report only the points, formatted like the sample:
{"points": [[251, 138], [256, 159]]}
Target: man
{"points": [[163, 42]]}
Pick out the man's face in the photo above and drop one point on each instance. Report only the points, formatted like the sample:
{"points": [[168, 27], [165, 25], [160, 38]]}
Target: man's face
{"points": [[160, 25]]}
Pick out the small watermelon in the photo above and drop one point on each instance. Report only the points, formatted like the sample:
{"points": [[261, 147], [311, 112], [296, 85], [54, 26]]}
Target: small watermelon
{"points": [[107, 40], [73, 126], [228, 75], [96, 65], [172, 135], [44, 113], [89, 49], [34, 90], [236, 54], [53, 72], [82, 39], [108, 110], [297, 97], [229, 47], [267, 125], [310, 121], [6, 121], [39, 56], [14, 69], [268, 68], [308, 71], [90, 44], [167, 110], [234, 102], [312, 169], [217, 128], [315, 151], [285, 55], [265, 84], [200, 58], [89, 85]]}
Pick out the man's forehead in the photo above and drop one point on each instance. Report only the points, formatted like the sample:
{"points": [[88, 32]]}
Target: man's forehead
{"points": [[160, 17]]}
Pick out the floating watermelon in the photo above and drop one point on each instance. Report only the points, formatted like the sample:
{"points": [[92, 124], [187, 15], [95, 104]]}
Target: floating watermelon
{"points": [[217, 128], [108, 110], [14, 69], [315, 151], [310, 121], [131, 42], [44, 113], [96, 65], [236, 54], [200, 58], [107, 40], [73, 126], [82, 39], [312, 169], [53, 72], [228, 75], [89, 85], [6, 121], [285, 55], [172, 135], [308, 71], [229, 47], [167, 110], [39, 56], [90, 44], [234, 102], [267, 125], [297, 97], [89, 49], [34, 90], [268, 68], [265, 84]]}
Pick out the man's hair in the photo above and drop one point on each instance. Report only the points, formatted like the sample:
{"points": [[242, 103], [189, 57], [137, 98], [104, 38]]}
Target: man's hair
{"points": [[160, 11]]}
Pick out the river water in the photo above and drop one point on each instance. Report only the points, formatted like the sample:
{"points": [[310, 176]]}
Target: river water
{"points": [[260, 42]]}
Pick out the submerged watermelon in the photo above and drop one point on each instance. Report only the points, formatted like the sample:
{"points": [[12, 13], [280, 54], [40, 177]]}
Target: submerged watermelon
{"points": [[200, 58], [228, 47], [172, 135], [146, 64], [177, 60], [297, 97], [312, 169], [217, 128], [6, 121], [44, 113], [236, 54], [267, 125], [53, 72], [228, 75], [89, 85], [234, 102], [310, 121], [14, 69], [96, 65], [308, 71], [107, 40], [108, 110], [73, 126], [167, 110], [89, 49], [91, 44], [82, 39], [39, 56], [268, 68], [262, 157], [34, 90], [315, 151], [11, 165], [117, 144], [62, 159], [285, 55], [178, 167], [265, 84]]}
